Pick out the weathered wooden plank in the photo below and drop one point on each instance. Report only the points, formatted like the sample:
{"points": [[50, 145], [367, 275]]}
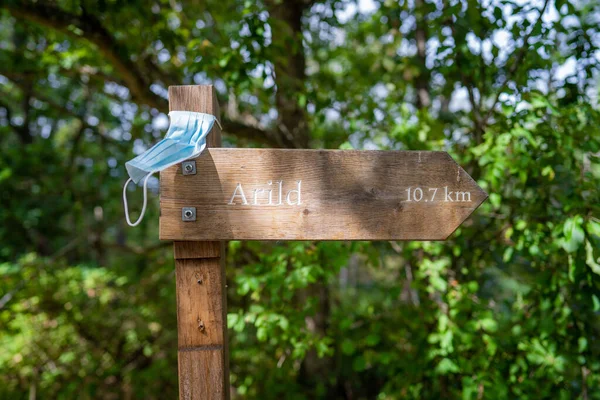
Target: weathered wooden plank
{"points": [[344, 195], [200, 309], [200, 286], [206, 366]]}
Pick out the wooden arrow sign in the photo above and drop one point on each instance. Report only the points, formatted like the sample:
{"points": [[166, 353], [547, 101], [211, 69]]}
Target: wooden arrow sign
{"points": [[269, 194]]}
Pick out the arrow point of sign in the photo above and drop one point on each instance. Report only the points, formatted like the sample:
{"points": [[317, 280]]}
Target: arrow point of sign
{"points": [[478, 197]]}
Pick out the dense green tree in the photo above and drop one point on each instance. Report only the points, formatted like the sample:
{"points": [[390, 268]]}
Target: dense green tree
{"points": [[508, 307]]}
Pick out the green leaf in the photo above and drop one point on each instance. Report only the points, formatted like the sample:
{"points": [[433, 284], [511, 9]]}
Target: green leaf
{"points": [[447, 366], [582, 344], [488, 324], [348, 347], [284, 323], [261, 333], [539, 101], [572, 268], [549, 172], [346, 146], [388, 64], [373, 339], [573, 234], [359, 364], [590, 260], [302, 100], [593, 228]]}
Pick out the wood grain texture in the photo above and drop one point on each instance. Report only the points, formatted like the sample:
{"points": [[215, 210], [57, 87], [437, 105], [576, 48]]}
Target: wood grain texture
{"points": [[205, 365], [346, 195], [200, 285], [200, 309], [183, 250]]}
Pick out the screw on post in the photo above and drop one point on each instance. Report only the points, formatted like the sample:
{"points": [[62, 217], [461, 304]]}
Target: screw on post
{"points": [[188, 167], [188, 214]]}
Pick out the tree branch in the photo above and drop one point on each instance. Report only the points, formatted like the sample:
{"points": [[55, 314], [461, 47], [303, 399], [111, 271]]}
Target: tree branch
{"points": [[92, 30], [138, 249], [289, 64], [21, 131], [517, 63], [132, 75], [422, 80], [251, 133]]}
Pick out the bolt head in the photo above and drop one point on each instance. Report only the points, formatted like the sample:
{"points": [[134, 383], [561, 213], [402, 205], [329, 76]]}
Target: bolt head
{"points": [[188, 214], [188, 167]]}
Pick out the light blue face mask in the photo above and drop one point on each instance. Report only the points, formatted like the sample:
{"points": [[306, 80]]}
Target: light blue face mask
{"points": [[186, 138]]}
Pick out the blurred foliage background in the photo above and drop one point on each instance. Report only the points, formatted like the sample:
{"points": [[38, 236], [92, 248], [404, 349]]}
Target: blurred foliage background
{"points": [[508, 307]]}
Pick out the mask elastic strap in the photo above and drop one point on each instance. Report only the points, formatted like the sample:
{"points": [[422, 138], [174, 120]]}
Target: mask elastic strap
{"points": [[218, 123], [145, 201]]}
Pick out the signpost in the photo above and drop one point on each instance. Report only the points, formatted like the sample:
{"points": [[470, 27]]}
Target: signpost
{"points": [[272, 194]]}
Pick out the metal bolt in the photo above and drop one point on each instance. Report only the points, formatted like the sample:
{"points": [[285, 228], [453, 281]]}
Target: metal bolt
{"points": [[188, 167], [188, 214]]}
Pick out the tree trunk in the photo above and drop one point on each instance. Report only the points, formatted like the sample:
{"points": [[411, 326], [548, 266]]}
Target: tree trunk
{"points": [[292, 127], [422, 81], [289, 63]]}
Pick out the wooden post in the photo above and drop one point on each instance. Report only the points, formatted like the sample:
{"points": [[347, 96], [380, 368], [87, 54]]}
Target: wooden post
{"points": [[201, 294]]}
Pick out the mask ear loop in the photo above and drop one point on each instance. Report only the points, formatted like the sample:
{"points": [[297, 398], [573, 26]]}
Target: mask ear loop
{"points": [[145, 193], [143, 207]]}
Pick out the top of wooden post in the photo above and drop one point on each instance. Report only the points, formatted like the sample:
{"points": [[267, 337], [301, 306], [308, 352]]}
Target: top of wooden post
{"points": [[197, 98]]}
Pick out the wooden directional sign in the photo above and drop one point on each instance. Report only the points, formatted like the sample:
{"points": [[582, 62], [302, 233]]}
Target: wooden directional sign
{"points": [[265, 194], [271, 194]]}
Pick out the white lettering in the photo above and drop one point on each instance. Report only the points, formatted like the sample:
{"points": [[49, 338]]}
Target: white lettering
{"points": [[280, 192], [466, 196], [448, 194], [270, 193], [242, 195], [289, 194], [434, 192], [256, 192], [264, 196]]}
